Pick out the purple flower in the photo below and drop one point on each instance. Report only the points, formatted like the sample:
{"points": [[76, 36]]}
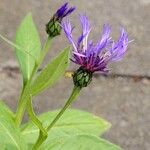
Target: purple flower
{"points": [[95, 57], [53, 27], [63, 11]]}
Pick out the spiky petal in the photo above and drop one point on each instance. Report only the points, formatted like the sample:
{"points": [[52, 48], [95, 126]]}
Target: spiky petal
{"points": [[95, 57], [63, 11]]}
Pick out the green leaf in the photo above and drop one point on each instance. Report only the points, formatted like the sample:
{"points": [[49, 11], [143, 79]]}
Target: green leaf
{"points": [[79, 142], [16, 46], [9, 133], [6, 109], [28, 39], [51, 72], [73, 122]]}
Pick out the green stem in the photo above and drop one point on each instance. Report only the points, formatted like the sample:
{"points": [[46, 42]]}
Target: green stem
{"points": [[25, 92], [72, 97], [23, 99], [37, 122], [74, 94], [39, 142], [44, 50], [34, 118], [21, 106]]}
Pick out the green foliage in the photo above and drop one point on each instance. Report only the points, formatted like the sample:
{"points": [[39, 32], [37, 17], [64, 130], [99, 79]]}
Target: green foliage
{"points": [[28, 39], [73, 122], [18, 48], [51, 72], [10, 135], [75, 130], [6, 109], [79, 142]]}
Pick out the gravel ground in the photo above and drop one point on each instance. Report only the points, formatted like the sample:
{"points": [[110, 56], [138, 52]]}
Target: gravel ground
{"points": [[124, 101]]}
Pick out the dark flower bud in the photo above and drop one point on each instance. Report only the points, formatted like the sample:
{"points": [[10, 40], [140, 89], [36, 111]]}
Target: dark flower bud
{"points": [[53, 27], [82, 77]]}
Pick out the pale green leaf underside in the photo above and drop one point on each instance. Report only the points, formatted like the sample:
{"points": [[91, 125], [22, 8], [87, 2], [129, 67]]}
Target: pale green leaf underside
{"points": [[73, 122], [79, 142], [51, 72], [9, 133], [28, 39], [16, 46]]}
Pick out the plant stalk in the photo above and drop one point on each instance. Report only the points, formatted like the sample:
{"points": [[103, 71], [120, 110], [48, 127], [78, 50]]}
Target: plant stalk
{"points": [[37, 122], [44, 50], [74, 94], [39, 141], [26, 87], [21, 105], [34, 118]]}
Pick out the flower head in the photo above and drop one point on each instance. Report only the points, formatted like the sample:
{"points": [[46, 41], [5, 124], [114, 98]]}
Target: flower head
{"points": [[95, 57], [53, 27]]}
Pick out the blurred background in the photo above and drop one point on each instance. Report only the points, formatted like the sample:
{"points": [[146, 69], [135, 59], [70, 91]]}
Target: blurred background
{"points": [[122, 98]]}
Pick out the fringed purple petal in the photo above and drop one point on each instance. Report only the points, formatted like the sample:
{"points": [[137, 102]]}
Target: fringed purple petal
{"points": [[95, 58], [64, 10], [105, 39], [84, 24], [119, 48], [66, 26], [69, 11], [85, 32], [79, 54], [61, 10]]}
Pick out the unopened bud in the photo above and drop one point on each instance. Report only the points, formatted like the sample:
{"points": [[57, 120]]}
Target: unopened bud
{"points": [[53, 27], [82, 77]]}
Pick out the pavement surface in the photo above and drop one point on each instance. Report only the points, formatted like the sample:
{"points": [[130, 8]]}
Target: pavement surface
{"points": [[123, 99]]}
